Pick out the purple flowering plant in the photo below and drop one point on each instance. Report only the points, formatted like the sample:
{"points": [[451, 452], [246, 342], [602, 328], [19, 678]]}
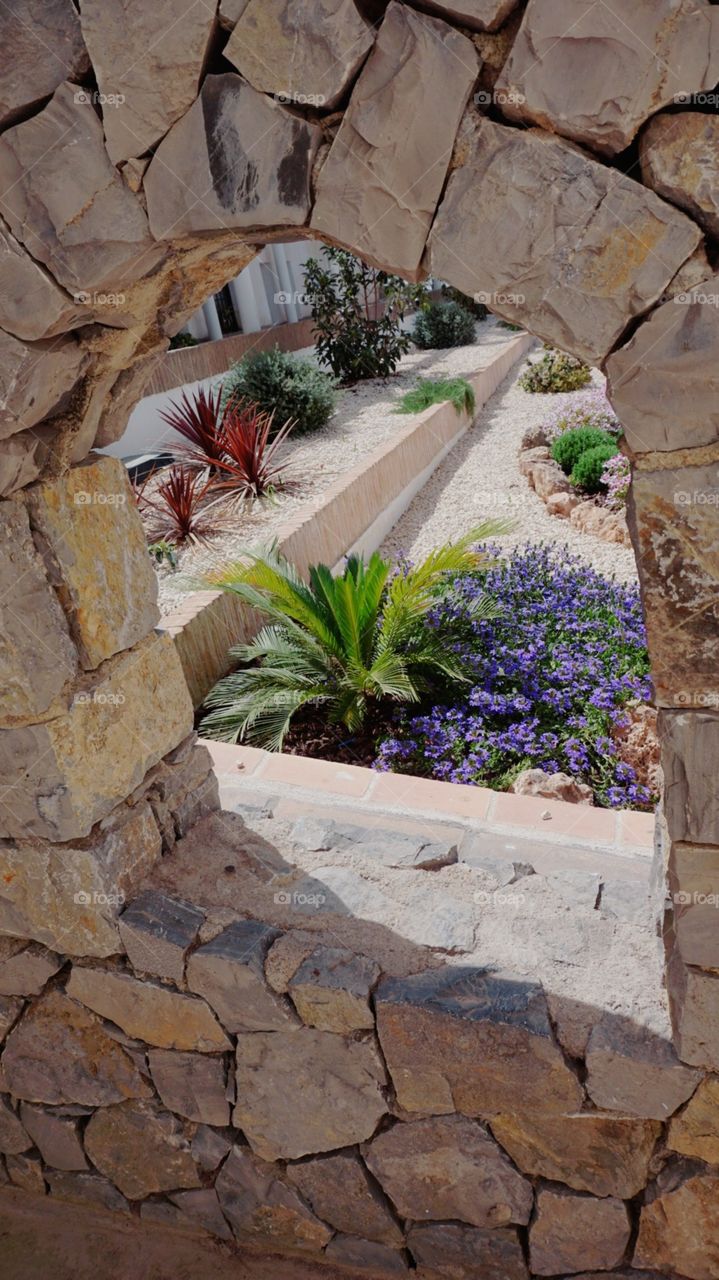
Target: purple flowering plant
{"points": [[552, 674], [587, 409]]}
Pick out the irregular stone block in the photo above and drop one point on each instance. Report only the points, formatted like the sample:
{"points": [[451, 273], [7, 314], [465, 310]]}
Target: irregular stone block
{"points": [[607, 1155], [68, 896], [673, 519], [26, 1172], [575, 69], [13, 1137], [694, 1002], [192, 1085], [331, 990], [448, 1167], [92, 232], [148, 1011], [305, 58], [340, 1082], [146, 81], [690, 751], [56, 1137], [339, 1190], [366, 1255], [679, 157], [576, 268], [695, 1130], [664, 383], [231, 11], [378, 188], [111, 602], [86, 1188], [203, 1209], [25, 972], [24, 456], [32, 67], [32, 304], [693, 882], [35, 376], [478, 15], [141, 1149], [285, 957], [634, 1069], [209, 1148], [572, 1231], [261, 1207], [679, 1228], [37, 658], [473, 1041], [10, 1011], [60, 1054], [100, 750], [157, 932], [388, 847], [236, 159], [228, 972], [449, 1251]]}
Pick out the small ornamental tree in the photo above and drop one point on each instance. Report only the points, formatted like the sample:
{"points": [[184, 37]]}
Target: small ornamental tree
{"points": [[357, 313]]}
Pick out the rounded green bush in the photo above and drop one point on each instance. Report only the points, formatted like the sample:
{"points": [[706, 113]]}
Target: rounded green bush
{"points": [[291, 388], [556, 371], [568, 448], [443, 324], [587, 470]]}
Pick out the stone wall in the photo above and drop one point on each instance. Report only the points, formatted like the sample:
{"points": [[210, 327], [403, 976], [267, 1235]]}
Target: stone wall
{"points": [[556, 162]]}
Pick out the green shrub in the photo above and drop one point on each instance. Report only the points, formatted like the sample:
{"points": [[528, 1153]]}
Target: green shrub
{"points": [[181, 340], [587, 471], [555, 371], [290, 388], [443, 324], [429, 392], [568, 448], [464, 300]]}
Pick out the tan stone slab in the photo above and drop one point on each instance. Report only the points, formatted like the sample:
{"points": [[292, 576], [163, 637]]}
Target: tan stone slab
{"points": [[263, 1209], [32, 304], [34, 377], [56, 1137], [679, 156], [635, 1069], [452, 1251], [149, 1012], [605, 1154], [693, 882], [339, 1190], [694, 999], [679, 1228], [478, 15], [572, 1231], [141, 1149], [32, 66], [690, 751], [694, 1132], [378, 189], [192, 1085]]}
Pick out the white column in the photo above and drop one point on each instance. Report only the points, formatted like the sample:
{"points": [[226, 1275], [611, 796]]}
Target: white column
{"points": [[286, 283], [209, 310], [243, 296]]}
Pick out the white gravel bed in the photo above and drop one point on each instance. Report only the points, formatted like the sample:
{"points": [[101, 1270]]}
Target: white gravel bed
{"points": [[480, 479], [363, 421]]}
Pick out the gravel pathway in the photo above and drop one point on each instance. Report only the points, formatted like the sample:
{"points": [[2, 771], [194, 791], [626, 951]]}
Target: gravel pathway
{"points": [[363, 420], [480, 479]]}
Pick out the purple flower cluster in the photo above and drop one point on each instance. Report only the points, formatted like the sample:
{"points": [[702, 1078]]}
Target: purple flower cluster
{"points": [[616, 476], [551, 676], [587, 409]]}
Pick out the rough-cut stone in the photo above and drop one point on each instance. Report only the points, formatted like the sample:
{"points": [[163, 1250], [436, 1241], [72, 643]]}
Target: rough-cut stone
{"points": [[86, 1188], [91, 232], [607, 1155], [231, 11], [599, 522], [331, 989], [339, 1081], [228, 972], [285, 957], [37, 657], [572, 1231], [448, 1167], [547, 478], [579, 889], [389, 847], [100, 750], [339, 1190], [577, 70], [141, 1149], [26, 1172], [366, 1255], [695, 1130], [236, 159], [529, 457], [694, 1001], [577, 268], [477, 15], [111, 601], [35, 376], [378, 189], [157, 933], [679, 157], [10, 1010], [192, 1085], [449, 1251], [693, 880], [664, 383], [473, 1041], [561, 504], [148, 1011], [679, 1228], [261, 1207], [634, 1069], [202, 1208], [690, 750], [25, 972], [68, 896], [56, 1137], [13, 1137], [147, 79], [305, 59], [60, 1054], [552, 786], [209, 1148], [32, 65], [32, 304], [673, 518]]}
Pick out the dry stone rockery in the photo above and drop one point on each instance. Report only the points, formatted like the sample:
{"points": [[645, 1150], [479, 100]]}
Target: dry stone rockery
{"points": [[259, 1087]]}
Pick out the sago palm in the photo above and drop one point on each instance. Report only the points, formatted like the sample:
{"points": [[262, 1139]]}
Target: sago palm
{"points": [[344, 643]]}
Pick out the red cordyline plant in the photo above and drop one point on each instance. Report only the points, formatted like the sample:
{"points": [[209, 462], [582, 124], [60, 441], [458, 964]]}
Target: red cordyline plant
{"points": [[198, 419], [250, 465], [178, 510]]}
